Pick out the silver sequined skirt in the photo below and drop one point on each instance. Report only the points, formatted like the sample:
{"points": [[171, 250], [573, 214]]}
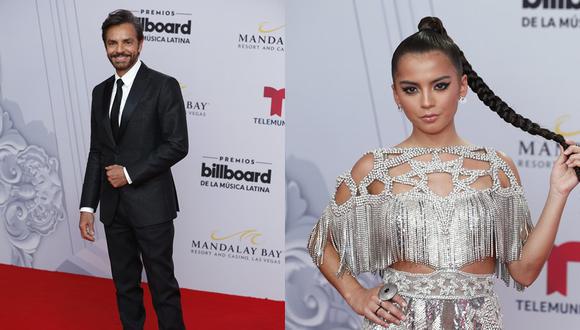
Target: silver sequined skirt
{"points": [[444, 299]]}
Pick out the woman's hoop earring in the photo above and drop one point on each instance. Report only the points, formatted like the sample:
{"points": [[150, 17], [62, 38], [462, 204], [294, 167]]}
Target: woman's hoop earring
{"points": [[462, 100]]}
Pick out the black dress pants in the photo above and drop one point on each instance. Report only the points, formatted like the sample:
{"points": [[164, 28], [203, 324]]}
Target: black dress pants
{"points": [[131, 248]]}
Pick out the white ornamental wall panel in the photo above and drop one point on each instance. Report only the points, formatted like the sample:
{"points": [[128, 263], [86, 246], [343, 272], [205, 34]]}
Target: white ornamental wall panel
{"points": [[39, 97]]}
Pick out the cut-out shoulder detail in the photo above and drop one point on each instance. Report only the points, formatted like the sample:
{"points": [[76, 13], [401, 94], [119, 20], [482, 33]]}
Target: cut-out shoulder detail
{"points": [[439, 172], [504, 179], [347, 184], [442, 207], [376, 187], [342, 194], [362, 167]]}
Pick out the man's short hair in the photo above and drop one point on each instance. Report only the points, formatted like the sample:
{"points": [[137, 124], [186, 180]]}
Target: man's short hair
{"points": [[121, 16]]}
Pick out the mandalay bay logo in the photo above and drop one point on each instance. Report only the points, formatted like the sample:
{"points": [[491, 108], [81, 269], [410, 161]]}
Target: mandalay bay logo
{"points": [[245, 245], [538, 153], [561, 127], [194, 106], [268, 37]]}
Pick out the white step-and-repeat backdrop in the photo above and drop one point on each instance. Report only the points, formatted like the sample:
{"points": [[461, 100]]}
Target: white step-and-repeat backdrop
{"points": [[340, 105], [229, 59]]}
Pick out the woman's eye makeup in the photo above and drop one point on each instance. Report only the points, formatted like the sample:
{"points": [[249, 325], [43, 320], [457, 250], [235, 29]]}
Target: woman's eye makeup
{"points": [[441, 86], [438, 87]]}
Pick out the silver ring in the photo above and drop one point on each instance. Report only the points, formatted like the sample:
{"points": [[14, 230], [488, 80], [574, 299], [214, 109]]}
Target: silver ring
{"points": [[387, 292]]}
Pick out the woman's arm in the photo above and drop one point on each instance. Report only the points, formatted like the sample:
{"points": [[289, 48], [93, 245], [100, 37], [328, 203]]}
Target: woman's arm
{"points": [[541, 240], [362, 300]]}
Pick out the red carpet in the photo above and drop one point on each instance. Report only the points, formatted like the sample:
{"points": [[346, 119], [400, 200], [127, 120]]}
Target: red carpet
{"points": [[42, 300]]}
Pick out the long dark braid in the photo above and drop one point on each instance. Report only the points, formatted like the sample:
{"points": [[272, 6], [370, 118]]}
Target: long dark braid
{"points": [[433, 36], [496, 104]]}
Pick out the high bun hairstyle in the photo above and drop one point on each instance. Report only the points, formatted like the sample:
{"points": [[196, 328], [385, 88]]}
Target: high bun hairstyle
{"points": [[432, 36]]}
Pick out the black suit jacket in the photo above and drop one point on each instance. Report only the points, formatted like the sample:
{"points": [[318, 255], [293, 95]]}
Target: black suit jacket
{"points": [[152, 137]]}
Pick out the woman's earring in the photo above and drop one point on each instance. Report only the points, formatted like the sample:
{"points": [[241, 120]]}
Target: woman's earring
{"points": [[462, 100], [399, 107]]}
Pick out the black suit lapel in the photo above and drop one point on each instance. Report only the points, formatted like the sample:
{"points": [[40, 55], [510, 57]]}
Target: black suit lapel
{"points": [[137, 91], [106, 104]]}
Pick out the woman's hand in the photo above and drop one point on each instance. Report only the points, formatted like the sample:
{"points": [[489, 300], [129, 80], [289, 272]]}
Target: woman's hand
{"points": [[563, 178], [366, 302]]}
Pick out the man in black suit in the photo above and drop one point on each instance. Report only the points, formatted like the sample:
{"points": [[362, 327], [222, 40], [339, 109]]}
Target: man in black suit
{"points": [[138, 131]]}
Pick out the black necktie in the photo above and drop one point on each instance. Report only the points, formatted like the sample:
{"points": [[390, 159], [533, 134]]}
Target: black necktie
{"points": [[115, 109]]}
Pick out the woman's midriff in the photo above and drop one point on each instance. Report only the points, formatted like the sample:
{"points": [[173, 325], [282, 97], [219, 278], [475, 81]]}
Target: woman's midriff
{"points": [[485, 266]]}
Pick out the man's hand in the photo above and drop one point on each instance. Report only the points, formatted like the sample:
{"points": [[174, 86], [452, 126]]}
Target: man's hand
{"points": [[116, 176], [87, 226]]}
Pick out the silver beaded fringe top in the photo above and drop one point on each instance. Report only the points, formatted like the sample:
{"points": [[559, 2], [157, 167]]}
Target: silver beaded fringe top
{"points": [[371, 232]]}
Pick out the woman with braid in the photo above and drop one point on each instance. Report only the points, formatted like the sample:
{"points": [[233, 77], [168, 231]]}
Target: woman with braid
{"points": [[435, 216]]}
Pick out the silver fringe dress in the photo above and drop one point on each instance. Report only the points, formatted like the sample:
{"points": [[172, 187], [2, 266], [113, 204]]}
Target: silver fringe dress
{"points": [[371, 232]]}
